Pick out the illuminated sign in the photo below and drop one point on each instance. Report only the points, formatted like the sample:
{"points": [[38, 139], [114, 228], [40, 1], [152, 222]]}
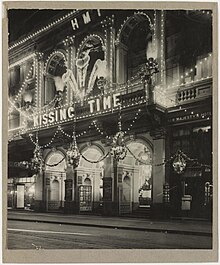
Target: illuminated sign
{"points": [[84, 19], [106, 102], [54, 116], [95, 105]]}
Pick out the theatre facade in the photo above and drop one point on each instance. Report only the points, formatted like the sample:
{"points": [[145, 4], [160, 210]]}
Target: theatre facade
{"points": [[110, 112]]}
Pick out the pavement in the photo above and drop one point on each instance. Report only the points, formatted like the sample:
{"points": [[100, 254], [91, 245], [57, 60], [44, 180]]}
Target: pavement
{"points": [[186, 227]]}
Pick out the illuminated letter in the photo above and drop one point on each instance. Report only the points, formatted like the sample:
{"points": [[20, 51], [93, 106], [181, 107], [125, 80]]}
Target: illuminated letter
{"points": [[45, 119], [91, 102], [116, 99], [63, 114], [107, 102], [99, 13], [74, 24], [98, 104], [56, 116], [51, 117], [70, 112], [35, 120], [86, 17]]}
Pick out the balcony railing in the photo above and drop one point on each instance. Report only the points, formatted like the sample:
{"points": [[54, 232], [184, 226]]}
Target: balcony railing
{"points": [[195, 91]]}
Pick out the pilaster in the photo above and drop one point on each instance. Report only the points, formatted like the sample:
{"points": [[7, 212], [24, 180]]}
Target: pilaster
{"points": [[158, 136], [70, 64]]}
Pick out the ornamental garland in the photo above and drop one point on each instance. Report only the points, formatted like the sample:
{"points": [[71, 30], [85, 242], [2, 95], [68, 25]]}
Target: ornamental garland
{"points": [[27, 165], [56, 164], [97, 161], [137, 159]]}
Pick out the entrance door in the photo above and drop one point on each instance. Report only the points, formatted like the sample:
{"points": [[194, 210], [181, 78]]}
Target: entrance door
{"points": [[85, 198], [125, 205], [20, 196], [145, 186]]}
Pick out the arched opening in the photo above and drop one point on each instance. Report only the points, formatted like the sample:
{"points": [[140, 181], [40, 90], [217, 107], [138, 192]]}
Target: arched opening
{"points": [[134, 47], [55, 175], [90, 179], [54, 85], [91, 66], [138, 166]]}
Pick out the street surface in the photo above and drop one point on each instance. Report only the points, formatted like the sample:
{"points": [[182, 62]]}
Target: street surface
{"points": [[35, 235]]}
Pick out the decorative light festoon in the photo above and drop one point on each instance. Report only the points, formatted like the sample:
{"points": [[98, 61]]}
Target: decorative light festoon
{"points": [[37, 162], [118, 150], [73, 154]]}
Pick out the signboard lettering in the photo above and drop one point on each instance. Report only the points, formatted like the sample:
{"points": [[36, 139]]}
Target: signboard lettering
{"points": [[84, 19]]}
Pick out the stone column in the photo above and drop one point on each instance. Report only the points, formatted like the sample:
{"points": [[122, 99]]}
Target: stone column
{"points": [[108, 186], [39, 192], [158, 136], [70, 191]]}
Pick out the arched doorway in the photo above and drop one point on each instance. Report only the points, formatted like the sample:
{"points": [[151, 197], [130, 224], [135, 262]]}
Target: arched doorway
{"points": [[55, 176], [137, 168], [90, 179]]}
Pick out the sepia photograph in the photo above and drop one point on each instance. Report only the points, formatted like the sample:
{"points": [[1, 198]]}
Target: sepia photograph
{"points": [[109, 129]]}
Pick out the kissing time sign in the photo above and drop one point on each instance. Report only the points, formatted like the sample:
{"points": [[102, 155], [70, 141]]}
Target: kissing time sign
{"points": [[96, 105]]}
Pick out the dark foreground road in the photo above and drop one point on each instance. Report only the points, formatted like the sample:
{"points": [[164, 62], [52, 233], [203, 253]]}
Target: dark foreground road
{"points": [[29, 235]]}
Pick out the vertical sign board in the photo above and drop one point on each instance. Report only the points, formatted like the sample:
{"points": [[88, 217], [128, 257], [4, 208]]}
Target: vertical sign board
{"points": [[20, 196]]}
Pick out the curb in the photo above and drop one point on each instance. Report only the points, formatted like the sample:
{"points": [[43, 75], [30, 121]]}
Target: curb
{"points": [[158, 230]]}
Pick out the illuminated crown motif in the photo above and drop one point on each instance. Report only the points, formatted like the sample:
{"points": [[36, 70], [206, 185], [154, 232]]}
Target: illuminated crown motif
{"points": [[179, 163], [73, 154], [118, 147], [37, 161]]}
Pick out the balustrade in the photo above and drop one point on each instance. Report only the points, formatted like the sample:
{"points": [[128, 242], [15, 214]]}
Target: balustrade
{"points": [[196, 91]]}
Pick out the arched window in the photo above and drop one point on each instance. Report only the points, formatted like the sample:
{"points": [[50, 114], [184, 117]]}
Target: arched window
{"points": [[54, 85], [134, 47], [57, 159], [91, 153]]}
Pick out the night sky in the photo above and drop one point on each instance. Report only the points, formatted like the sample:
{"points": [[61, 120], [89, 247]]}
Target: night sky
{"points": [[22, 21]]}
